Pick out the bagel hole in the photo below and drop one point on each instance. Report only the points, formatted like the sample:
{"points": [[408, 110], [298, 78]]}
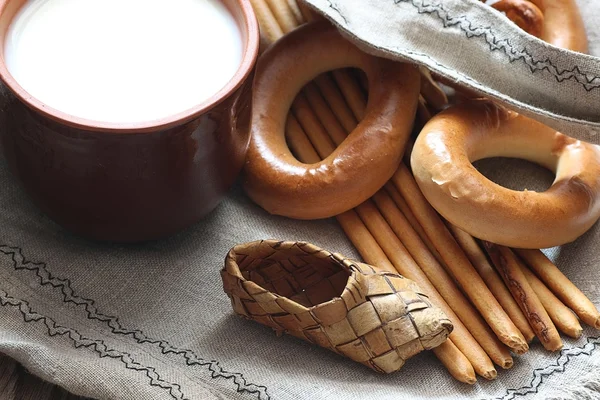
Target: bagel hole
{"points": [[316, 95], [516, 174]]}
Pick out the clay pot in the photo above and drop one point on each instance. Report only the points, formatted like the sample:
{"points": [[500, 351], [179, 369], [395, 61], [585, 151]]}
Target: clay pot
{"points": [[133, 182]]}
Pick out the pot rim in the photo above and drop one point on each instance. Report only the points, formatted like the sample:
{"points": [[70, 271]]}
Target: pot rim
{"points": [[252, 41]]}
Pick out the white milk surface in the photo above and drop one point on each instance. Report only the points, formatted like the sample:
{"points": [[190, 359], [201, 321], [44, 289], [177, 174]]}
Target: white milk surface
{"points": [[123, 61]]}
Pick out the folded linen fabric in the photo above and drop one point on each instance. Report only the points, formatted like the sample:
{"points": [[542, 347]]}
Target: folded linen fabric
{"points": [[472, 44]]}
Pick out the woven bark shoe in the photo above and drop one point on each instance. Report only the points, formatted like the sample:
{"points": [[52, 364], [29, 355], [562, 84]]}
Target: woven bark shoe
{"points": [[377, 319]]}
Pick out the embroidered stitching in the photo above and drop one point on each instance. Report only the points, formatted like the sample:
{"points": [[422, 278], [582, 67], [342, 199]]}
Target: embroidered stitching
{"points": [[70, 296], [589, 83], [566, 355], [96, 345]]}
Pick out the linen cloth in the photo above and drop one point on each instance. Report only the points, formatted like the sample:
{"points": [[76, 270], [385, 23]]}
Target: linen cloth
{"points": [[469, 42], [151, 321]]}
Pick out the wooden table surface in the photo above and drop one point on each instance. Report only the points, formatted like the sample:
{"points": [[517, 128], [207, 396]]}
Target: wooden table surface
{"points": [[17, 384]]}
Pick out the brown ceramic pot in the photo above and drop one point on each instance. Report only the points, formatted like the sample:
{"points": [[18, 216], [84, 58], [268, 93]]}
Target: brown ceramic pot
{"points": [[128, 183]]}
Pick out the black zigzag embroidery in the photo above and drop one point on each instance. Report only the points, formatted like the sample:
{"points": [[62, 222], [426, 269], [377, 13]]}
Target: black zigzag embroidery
{"points": [[96, 345], [46, 278], [559, 366], [471, 30]]}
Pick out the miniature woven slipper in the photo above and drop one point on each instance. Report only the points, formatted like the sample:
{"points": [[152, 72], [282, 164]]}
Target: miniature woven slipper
{"points": [[377, 319]]}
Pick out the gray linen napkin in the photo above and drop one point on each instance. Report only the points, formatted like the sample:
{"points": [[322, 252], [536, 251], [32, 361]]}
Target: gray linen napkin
{"points": [[470, 43], [152, 322]]}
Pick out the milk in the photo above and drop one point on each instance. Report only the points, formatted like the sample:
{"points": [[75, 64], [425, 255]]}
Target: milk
{"points": [[123, 61]]}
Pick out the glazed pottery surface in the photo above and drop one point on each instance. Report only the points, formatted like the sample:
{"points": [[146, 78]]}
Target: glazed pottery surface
{"points": [[129, 182]]}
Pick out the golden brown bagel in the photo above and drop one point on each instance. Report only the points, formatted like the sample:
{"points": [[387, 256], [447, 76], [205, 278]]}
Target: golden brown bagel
{"points": [[562, 27], [363, 163], [524, 14], [442, 164]]}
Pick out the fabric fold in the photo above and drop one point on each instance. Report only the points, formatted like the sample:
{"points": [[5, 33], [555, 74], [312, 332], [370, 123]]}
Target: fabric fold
{"points": [[472, 44]]}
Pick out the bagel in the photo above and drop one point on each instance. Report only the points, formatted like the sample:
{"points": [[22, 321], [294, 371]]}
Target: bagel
{"points": [[442, 165], [362, 164], [561, 26], [524, 14]]}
